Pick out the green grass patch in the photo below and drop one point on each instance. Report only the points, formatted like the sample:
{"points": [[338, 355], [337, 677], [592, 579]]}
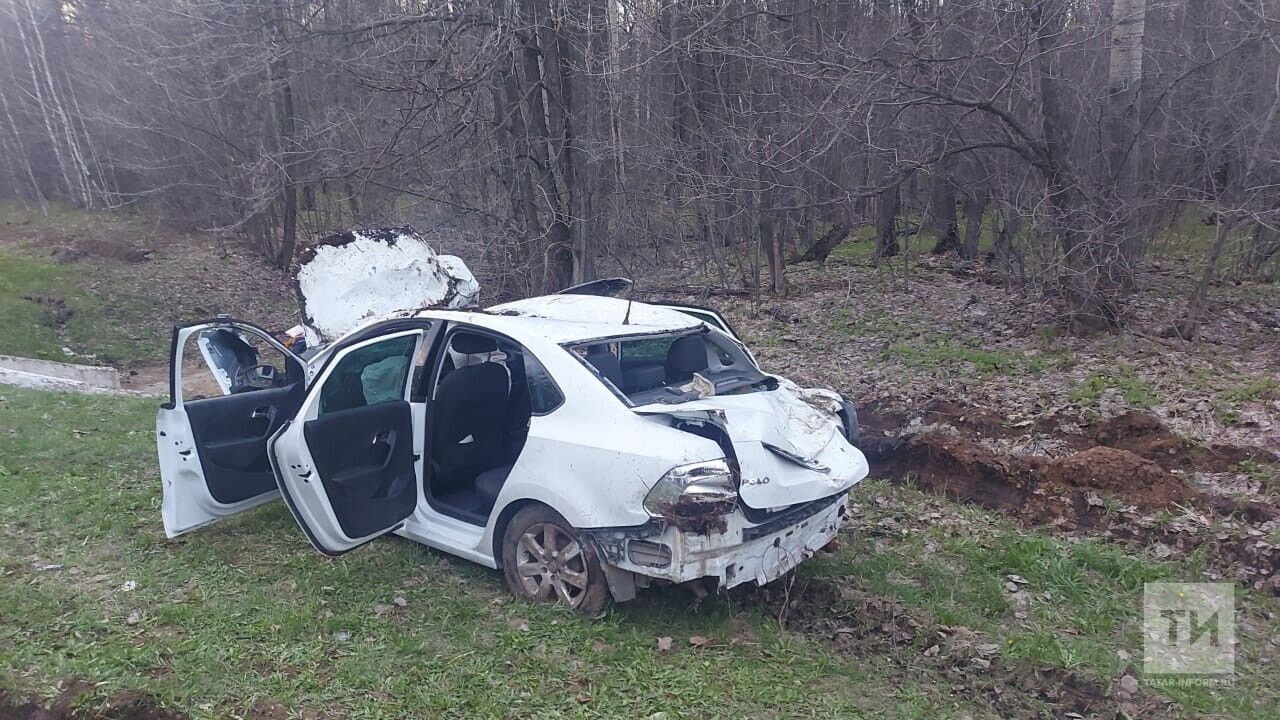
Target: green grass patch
{"points": [[939, 352], [1262, 474], [1136, 392], [52, 306], [108, 289], [1259, 389], [246, 612], [1078, 604]]}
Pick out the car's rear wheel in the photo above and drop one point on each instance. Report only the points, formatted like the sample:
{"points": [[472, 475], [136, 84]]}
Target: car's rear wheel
{"points": [[545, 560]]}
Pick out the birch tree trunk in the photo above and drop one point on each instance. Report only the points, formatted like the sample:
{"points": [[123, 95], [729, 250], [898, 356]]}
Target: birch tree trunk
{"points": [[28, 51], [1124, 85]]}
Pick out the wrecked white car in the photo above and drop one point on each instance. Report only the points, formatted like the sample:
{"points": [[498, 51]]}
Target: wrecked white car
{"points": [[587, 446]]}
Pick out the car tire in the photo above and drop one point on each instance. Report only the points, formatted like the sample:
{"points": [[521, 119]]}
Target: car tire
{"points": [[545, 560]]}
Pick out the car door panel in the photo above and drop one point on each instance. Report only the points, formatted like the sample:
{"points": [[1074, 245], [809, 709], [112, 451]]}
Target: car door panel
{"points": [[232, 434], [364, 459], [348, 465], [213, 450]]}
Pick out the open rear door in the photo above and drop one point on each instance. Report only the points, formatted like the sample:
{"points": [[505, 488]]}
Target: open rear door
{"points": [[348, 465], [211, 437]]}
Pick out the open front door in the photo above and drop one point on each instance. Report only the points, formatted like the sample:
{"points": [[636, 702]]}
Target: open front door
{"points": [[348, 464], [211, 437]]}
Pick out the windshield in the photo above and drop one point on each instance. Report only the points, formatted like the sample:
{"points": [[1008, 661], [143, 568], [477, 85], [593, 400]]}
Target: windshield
{"points": [[673, 367]]}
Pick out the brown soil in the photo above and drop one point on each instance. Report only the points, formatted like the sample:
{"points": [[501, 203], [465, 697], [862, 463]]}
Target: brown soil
{"points": [[1145, 435], [1129, 457], [76, 249], [1111, 480], [1120, 473], [964, 470], [985, 421], [69, 705], [197, 380]]}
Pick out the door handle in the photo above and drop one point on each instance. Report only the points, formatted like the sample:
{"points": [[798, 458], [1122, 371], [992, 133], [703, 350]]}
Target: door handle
{"points": [[386, 439], [262, 413]]}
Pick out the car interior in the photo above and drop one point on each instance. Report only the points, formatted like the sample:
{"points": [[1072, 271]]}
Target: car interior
{"points": [[480, 414], [235, 356], [658, 369]]}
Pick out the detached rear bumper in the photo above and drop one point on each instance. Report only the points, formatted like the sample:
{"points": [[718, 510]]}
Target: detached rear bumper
{"points": [[744, 552]]}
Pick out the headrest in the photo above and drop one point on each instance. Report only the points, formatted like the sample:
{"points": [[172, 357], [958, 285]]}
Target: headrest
{"points": [[686, 356], [472, 344]]}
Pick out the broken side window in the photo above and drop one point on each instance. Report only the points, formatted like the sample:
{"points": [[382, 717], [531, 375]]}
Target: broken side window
{"points": [[371, 375], [225, 361]]}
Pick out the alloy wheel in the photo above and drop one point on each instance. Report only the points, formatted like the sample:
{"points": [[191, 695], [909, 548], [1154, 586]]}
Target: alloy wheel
{"points": [[551, 564]]}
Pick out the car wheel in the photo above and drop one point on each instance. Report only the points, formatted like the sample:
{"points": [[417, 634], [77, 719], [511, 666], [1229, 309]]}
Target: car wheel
{"points": [[545, 560]]}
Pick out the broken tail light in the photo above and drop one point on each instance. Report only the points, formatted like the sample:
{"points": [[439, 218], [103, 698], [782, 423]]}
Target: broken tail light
{"points": [[701, 488]]}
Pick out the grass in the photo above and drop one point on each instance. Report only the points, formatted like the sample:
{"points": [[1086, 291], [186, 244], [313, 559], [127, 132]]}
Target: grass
{"points": [[940, 352], [245, 616], [245, 613], [921, 346], [1082, 596], [1123, 379], [53, 311], [1264, 475], [107, 310], [1253, 390]]}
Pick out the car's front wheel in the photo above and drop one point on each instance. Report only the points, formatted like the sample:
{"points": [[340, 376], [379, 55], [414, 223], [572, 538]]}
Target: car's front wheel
{"points": [[545, 560]]}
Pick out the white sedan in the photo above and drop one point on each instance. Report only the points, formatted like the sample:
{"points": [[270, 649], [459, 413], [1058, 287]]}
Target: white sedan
{"points": [[586, 446]]}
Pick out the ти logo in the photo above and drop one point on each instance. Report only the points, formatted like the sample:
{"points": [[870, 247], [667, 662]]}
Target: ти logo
{"points": [[1189, 629]]}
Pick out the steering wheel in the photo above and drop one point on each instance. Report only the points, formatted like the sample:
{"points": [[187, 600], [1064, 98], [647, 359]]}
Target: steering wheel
{"points": [[259, 376]]}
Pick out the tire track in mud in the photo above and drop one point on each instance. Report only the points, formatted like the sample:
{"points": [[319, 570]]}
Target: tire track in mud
{"points": [[1115, 478]]}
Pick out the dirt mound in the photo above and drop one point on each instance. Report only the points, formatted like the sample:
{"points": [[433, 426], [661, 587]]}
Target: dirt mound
{"points": [[1129, 457], [69, 705], [955, 467], [981, 420], [1032, 488], [1121, 473], [1109, 480], [124, 249], [1143, 434]]}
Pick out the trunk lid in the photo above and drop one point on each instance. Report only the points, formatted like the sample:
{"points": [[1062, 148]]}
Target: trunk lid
{"points": [[789, 443]]}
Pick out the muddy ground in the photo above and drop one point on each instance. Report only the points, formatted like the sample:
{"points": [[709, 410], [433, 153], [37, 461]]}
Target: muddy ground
{"points": [[71, 704], [1128, 478], [862, 624]]}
